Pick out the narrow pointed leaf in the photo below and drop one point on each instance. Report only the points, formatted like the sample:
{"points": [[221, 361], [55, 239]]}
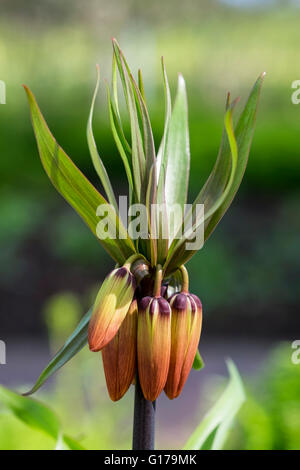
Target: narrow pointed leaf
{"points": [[176, 157], [162, 222], [76, 341], [152, 225], [216, 181], [141, 85], [218, 420], [178, 254], [138, 155], [75, 188], [148, 136], [97, 162], [244, 134], [161, 154], [119, 138]]}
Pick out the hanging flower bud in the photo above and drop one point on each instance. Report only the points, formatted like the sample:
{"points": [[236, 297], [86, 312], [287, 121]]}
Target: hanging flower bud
{"points": [[119, 356], [185, 336], [154, 342], [110, 308]]}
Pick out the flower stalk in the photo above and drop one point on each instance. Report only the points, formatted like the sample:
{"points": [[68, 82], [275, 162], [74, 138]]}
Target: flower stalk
{"points": [[143, 437]]}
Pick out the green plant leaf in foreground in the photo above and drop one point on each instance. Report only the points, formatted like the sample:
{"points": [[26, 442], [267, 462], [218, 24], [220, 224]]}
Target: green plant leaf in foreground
{"points": [[75, 187], [37, 416], [217, 422], [76, 341]]}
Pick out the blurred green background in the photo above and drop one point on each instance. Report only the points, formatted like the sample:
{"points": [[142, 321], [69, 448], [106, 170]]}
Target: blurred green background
{"points": [[248, 273]]}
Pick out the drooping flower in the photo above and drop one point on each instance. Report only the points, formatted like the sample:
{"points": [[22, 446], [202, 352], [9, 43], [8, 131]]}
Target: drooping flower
{"points": [[119, 355], [153, 343], [185, 337]]}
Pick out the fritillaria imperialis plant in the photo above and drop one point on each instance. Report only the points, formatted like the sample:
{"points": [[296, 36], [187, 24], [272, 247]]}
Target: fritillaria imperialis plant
{"points": [[144, 320]]}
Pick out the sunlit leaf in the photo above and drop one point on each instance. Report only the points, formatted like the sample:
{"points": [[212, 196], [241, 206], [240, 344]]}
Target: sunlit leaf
{"points": [[168, 111], [75, 188], [175, 154], [178, 254], [38, 416], [141, 85], [119, 138], [31, 412], [217, 422], [97, 161], [244, 134], [150, 165], [71, 443], [76, 341], [138, 154]]}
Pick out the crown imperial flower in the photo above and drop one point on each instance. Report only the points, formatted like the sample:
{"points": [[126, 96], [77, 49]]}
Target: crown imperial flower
{"points": [[144, 319]]}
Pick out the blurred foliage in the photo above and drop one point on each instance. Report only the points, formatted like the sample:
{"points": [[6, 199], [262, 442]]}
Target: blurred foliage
{"points": [[270, 418], [78, 396]]}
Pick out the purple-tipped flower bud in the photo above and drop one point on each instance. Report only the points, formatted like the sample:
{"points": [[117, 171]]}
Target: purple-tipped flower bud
{"points": [[154, 342], [110, 308], [185, 335]]}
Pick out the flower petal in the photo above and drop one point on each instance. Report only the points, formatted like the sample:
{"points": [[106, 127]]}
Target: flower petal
{"points": [[119, 356]]}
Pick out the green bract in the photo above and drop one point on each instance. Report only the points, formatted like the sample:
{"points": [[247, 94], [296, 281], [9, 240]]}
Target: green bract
{"points": [[153, 178]]}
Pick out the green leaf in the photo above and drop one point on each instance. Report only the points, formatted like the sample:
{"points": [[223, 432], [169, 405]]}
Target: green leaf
{"points": [[71, 443], [210, 194], [217, 422], [176, 154], [75, 188], [162, 222], [76, 341], [198, 363], [178, 253], [150, 166], [119, 138], [168, 112], [38, 416], [152, 228], [31, 412], [244, 134], [141, 85], [97, 162], [138, 154]]}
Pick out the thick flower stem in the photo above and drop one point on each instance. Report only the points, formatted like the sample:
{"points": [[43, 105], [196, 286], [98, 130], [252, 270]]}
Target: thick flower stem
{"points": [[144, 421]]}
